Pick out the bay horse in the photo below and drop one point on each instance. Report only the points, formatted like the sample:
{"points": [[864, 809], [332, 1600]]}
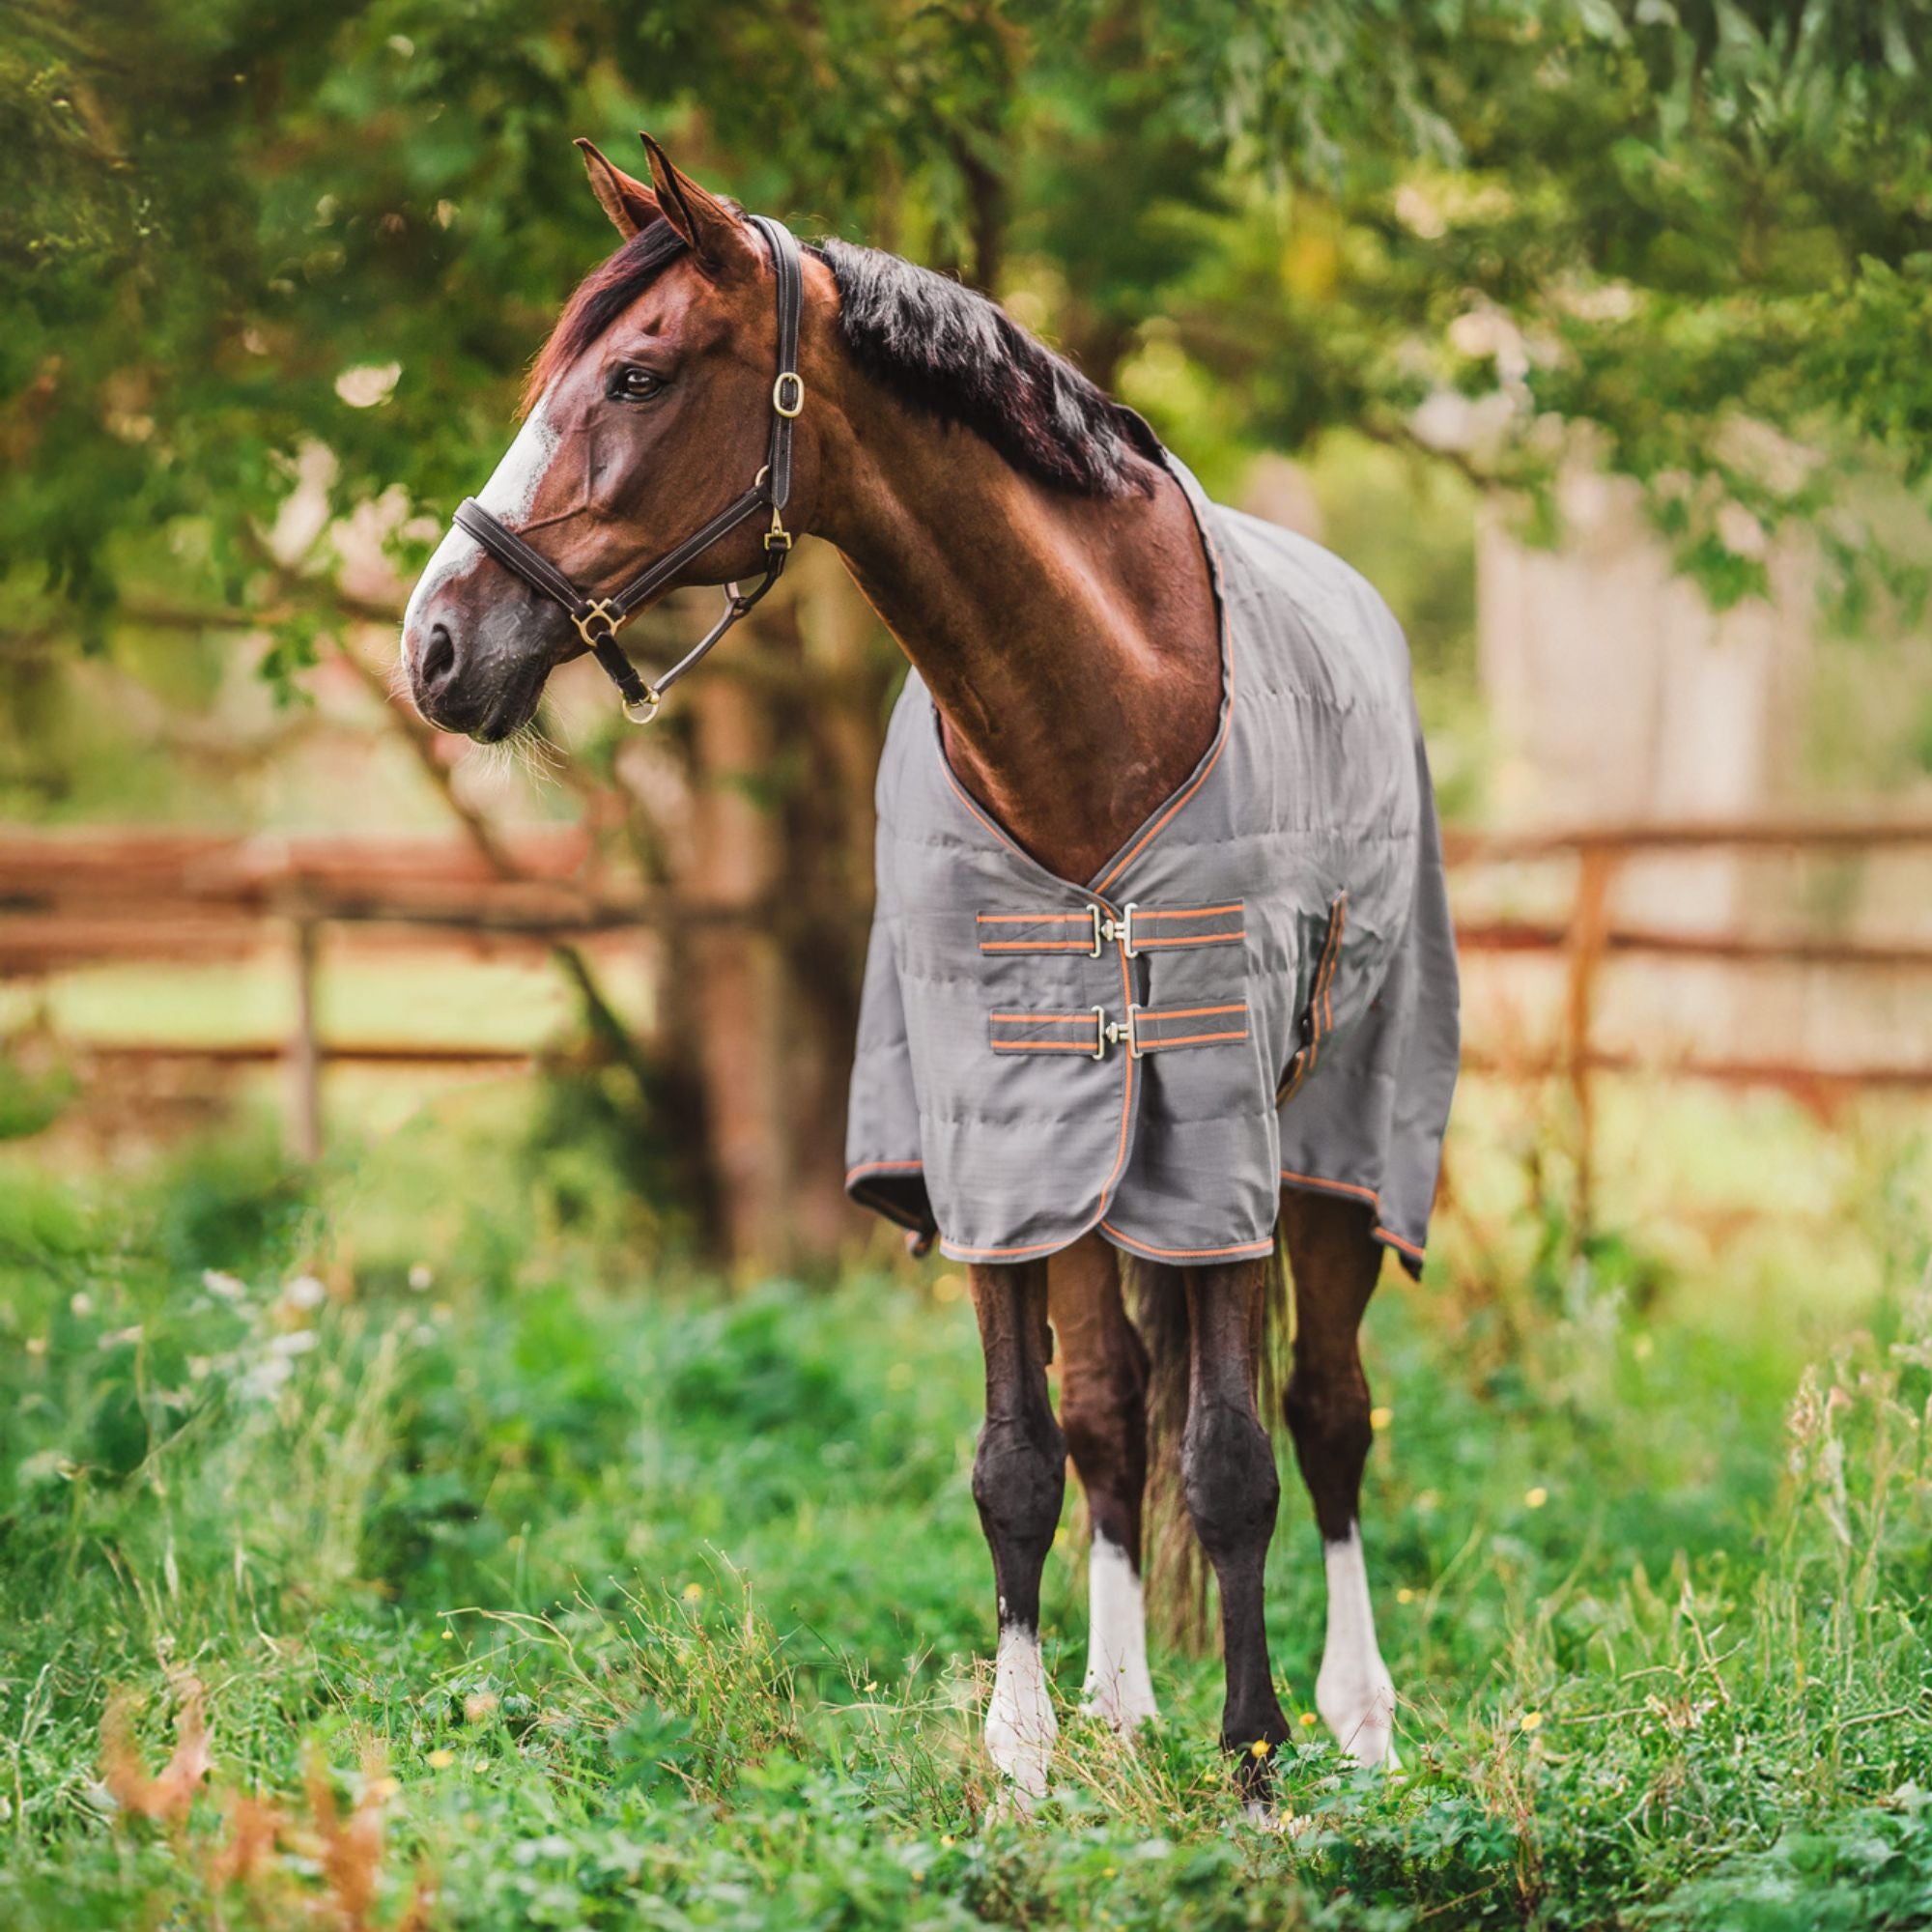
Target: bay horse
{"points": [[1155, 783]]}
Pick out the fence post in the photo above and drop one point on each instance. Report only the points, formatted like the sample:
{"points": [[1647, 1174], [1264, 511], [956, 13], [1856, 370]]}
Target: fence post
{"points": [[1589, 927], [304, 1047]]}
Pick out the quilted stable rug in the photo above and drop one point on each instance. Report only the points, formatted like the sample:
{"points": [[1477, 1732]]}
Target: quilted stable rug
{"points": [[1258, 990]]}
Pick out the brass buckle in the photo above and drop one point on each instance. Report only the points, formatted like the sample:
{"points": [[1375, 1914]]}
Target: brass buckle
{"points": [[797, 382], [777, 538], [598, 613]]}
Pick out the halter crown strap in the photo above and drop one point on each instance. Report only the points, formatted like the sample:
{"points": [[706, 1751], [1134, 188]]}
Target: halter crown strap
{"points": [[599, 619]]}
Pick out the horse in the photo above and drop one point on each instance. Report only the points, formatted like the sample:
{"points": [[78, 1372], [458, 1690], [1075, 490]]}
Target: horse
{"points": [[1161, 985]]}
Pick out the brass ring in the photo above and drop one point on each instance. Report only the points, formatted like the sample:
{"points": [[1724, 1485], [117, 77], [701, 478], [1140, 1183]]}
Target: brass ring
{"points": [[797, 382]]}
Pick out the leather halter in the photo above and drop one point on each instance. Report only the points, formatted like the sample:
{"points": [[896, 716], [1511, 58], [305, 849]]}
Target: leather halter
{"points": [[599, 619]]}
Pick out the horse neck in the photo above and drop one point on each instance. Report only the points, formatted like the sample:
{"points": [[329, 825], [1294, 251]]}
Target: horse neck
{"points": [[1069, 643]]}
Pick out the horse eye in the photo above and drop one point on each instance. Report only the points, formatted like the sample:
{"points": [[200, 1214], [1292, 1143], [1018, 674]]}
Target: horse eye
{"points": [[636, 385]]}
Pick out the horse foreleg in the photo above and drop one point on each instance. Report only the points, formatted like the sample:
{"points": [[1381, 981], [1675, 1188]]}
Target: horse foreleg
{"points": [[1019, 1476], [1103, 1376], [1228, 1476], [1335, 1259]]}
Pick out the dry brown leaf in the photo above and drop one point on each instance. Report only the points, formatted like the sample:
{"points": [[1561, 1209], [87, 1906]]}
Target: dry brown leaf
{"points": [[164, 1799], [243, 1859]]}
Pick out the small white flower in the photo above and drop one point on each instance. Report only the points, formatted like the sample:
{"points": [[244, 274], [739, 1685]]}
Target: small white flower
{"points": [[299, 1343], [367, 384], [225, 1287], [422, 1278], [117, 1338], [305, 1291], [266, 1378], [82, 1305]]}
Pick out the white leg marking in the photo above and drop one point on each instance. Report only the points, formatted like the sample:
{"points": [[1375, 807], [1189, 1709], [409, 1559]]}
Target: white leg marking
{"points": [[1020, 1726], [510, 492], [1117, 1687], [1352, 1689]]}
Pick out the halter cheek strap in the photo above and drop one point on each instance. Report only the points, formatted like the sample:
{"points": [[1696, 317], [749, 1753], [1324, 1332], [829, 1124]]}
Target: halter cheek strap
{"points": [[599, 619]]}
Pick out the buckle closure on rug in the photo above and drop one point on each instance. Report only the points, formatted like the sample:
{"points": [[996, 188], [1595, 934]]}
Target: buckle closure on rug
{"points": [[1107, 930], [1116, 1033]]}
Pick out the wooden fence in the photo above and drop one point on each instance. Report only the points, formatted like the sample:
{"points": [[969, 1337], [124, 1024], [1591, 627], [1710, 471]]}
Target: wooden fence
{"points": [[73, 900]]}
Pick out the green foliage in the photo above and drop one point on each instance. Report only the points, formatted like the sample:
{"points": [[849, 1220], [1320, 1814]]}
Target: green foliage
{"points": [[662, 1610], [1662, 222]]}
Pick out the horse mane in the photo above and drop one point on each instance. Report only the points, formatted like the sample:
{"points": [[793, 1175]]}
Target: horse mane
{"points": [[944, 349], [933, 343]]}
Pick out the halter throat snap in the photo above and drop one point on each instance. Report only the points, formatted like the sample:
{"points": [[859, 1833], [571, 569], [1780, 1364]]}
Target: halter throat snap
{"points": [[599, 619]]}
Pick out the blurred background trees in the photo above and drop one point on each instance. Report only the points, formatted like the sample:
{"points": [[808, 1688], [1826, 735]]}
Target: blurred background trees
{"points": [[270, 273]]}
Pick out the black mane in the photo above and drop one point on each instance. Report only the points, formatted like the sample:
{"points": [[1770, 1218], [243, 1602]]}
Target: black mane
{"points": [[934, 344], [948, 350]]}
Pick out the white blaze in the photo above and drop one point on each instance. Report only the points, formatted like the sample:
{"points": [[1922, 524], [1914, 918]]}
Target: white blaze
{"points": [[509, 495], [1020, 1726], [1116, 1688], [1354, 1690]]}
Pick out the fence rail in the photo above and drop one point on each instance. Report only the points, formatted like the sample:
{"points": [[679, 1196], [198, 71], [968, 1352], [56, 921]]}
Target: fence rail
{"points": [[70, 899]]}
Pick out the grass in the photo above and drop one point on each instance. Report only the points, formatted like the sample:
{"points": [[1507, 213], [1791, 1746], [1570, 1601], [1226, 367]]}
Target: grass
{"points": [[497, 1591]]}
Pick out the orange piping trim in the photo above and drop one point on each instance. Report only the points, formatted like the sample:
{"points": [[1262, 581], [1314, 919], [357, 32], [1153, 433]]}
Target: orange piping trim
{"points": [[1367, 1194], [883, 1167], [1192, 1254], [1199, 939], [1041, 1046], [1157, 1013], [993, 826], [1048, 1019], [1225, 638], [1190, 1039], [1184, 912], [1032, 918], [1160, 824], [1016, 1254], [1035, 946]]}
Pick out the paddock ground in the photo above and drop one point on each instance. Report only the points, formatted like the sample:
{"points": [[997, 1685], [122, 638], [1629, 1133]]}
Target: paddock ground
{"points": [[527, 1586]]}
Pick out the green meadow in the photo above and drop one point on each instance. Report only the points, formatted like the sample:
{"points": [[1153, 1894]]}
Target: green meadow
{"points": [[389, 1546]]}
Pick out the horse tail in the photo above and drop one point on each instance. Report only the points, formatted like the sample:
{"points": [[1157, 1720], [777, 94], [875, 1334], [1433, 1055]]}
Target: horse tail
{"points": [[1174, 1572]]}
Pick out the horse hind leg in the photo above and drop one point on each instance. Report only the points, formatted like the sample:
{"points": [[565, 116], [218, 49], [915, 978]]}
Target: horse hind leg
{"points": [[1334, 1259], [1019, 1477], [1103, 1380], [1227, 1477]]}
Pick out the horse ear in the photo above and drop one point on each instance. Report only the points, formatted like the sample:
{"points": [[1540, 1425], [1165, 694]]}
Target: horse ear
{"points": [[715, 229], [629, 203]]}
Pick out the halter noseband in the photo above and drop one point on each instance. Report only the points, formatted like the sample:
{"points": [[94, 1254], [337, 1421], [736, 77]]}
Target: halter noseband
{"points": [[599, 619]]}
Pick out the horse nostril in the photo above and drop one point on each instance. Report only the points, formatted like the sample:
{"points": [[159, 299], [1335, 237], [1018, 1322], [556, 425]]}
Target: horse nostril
{"points": [[439, 658]]}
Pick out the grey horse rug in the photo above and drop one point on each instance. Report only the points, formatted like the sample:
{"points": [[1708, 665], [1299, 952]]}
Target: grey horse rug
{"points": [[1258, 990]]}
